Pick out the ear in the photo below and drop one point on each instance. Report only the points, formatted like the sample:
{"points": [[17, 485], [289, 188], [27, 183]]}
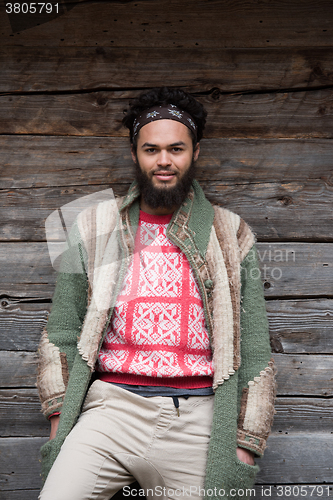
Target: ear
{"points": [[196, 151], [133, 153]]}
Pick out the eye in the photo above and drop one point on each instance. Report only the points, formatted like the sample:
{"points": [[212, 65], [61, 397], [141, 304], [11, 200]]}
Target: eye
{"points": [[150, 150], [176, 149]]}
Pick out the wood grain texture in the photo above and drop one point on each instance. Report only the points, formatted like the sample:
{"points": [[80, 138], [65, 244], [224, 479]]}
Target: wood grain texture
{"points": [[273, 115], [19, 494], [183, 24], [70, 68], [21, 324], [299, 458], [18, 369], [43, 161], [291, 270], [298, 375], [302, 414], [275, 210], [31, 264], [304, 375], [289, 183], [20, 463], [296, 326], [301, 326], [20, 414]]}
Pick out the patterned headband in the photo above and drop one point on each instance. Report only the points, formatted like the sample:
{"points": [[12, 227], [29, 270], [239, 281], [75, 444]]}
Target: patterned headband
{"points": [[166, 112]]}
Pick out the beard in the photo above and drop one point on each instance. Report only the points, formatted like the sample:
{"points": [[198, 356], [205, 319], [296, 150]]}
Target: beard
{"points": [[164, 196]]}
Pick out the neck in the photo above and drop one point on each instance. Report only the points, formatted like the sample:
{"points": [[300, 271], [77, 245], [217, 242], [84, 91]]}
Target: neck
{"points": [[156, 211]]}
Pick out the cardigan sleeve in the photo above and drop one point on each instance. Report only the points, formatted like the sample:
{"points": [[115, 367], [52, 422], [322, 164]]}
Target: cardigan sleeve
{"points": [[256, 378], [58, 344]]}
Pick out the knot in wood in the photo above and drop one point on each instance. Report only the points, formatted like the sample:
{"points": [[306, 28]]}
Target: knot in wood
{"points": [[215, 93], [286, 200], [101, 101]]}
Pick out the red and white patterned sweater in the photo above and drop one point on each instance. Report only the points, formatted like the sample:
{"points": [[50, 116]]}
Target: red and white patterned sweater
{"points": [[157, 334]]}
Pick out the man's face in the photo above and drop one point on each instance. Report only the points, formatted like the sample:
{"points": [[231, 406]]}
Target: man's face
{"points": [[164, 163]]}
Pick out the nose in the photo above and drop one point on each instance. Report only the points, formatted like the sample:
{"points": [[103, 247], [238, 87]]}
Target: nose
{"points": [[164, 159]]}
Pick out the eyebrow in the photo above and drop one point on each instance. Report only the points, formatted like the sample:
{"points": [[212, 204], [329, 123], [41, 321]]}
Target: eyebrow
{"points": [[149, 145]]}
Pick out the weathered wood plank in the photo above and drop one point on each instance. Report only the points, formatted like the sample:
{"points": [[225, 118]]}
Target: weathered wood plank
{"points": [[18, 369], [78, 68], [21, 324], [33, 494], [43, 161], [304, 375], [299, 458], [181, 24], [296, 267], [275, 210], [20, 463], [273, 115], [278, 211], [287, 269], [20, 414], [19, 494], [72, 68], [301, 326], [294, 207], [298, 375], [296, 326], [270, 115], [31, 264], [302, 415]]}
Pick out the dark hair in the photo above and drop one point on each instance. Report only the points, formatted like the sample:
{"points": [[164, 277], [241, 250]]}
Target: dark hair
{"points": [[163, 96]]}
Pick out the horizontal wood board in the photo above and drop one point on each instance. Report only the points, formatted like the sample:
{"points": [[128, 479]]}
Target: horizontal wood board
{"points": [[288, 182], [288, 114], [288, 270], [275, 210], [301, 458], [301, 326], [45, 161], [20, 414], [298, 374], [65, 68]]}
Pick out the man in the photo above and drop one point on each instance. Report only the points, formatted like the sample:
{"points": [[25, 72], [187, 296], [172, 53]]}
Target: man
{"points": [[166, 327]]}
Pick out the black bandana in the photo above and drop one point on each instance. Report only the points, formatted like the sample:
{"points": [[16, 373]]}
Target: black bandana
{"points": [[166, 112]]}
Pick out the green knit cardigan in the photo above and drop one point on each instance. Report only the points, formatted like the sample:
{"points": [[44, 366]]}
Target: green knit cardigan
{"points": [[221, 250]]}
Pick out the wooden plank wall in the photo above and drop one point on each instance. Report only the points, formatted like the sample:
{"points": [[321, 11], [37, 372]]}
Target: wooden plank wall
{"points": [[264, 70]]}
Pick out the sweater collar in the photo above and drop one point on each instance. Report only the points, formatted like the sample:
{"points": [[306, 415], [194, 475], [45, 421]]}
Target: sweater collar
{"points": [[195, 215]]}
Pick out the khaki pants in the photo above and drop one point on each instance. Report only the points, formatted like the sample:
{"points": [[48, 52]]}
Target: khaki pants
{"points": [[121, 437]]}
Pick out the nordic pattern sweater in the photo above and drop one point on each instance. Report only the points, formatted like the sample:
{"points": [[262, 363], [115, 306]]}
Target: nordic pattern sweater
{"points": [[157, 334], [220, 248]]}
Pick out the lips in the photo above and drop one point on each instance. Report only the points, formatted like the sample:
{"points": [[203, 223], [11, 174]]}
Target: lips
{"points": [[164, 175]]}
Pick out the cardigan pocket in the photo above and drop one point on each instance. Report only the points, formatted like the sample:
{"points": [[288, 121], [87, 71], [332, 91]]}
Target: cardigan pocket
{"points": [[246, 475]]}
